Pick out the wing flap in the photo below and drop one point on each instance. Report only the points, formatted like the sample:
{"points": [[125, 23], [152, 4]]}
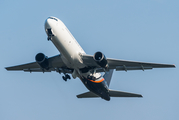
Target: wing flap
{"points": [[38, 70], [126, 68]]}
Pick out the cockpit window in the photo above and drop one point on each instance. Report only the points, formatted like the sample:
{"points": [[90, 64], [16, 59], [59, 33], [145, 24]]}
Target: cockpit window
{"points": [[53, 18]]}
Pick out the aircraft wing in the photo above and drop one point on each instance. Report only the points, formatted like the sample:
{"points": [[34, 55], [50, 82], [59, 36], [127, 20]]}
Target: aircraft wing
{"points": [[123, 65], [55, 64]]}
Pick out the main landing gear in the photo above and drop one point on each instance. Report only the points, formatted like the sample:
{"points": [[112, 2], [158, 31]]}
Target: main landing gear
{"points": [[66, 77], [64, 71]]}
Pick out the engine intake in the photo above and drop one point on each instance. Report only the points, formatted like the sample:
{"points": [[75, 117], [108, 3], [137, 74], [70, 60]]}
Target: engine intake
{"points": [[42, 60], [101, 60]]}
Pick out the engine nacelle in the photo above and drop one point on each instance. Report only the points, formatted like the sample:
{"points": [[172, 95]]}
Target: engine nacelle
{"points": [[42, 60], [100, 59]]}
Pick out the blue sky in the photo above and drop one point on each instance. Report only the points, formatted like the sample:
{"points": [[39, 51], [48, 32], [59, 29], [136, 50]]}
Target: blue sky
{"points": [[132, 30]]}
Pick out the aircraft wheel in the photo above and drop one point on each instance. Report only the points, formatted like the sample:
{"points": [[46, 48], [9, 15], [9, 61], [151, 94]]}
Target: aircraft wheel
{"points": [[49, 38], [68, 77], [64, 78]]}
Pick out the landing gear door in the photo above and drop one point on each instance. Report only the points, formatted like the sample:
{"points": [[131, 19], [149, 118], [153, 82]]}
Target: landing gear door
{"points": [[49, 33]]}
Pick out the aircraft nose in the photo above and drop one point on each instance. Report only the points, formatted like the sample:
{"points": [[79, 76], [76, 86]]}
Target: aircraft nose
{"points": [[51, 22], [48, 23]]}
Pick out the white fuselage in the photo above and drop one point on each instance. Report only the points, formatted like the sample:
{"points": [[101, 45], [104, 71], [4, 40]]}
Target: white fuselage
{"points": [[65, 43]]}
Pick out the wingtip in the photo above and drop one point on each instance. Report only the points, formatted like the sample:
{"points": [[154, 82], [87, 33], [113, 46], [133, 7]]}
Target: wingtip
{"points": [[8, 68]]}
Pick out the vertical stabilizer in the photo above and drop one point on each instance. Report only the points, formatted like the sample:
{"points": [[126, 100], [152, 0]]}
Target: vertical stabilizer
{"points": [[108, 75]]}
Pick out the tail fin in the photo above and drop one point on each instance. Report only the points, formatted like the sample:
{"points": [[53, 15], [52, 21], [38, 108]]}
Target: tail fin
{"points": [[114, 93], [108, 76]]}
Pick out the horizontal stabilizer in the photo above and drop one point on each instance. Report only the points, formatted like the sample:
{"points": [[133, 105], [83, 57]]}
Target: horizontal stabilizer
{"points": [[87, 95], [114, 93]]}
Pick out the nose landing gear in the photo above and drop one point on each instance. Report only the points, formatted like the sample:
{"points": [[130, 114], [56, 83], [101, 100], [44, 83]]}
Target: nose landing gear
{"points": [[50, 34], [49, 37], [66, 77]]}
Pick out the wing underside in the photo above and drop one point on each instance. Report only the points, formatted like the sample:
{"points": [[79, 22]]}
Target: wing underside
{"points": [[124, 65], [55, 64]]}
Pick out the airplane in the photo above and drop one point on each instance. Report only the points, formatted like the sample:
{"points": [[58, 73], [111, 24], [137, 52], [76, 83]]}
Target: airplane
{"points": [[88, 68]]}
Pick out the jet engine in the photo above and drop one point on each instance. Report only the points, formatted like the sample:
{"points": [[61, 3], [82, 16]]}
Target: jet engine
{"points": [[101, 60], [42, 60]]}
